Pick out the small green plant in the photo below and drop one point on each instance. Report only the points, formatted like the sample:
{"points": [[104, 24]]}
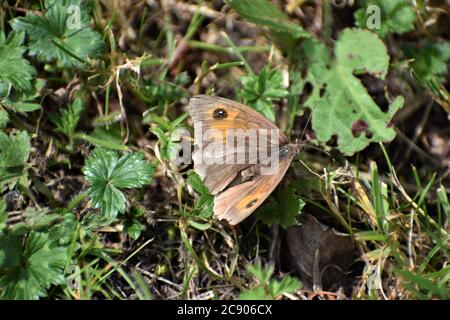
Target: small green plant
{"points": [[169, 135], [30, 265], [267, 287], [108, 174], [430, 63], [62, 34], [260, 91], [14, 153], [395, 16], [130, 221], [15, 70], [283, 207], [67, 120]]}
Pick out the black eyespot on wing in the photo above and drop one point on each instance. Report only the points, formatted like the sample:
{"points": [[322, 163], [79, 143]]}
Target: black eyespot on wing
{"points": [[251, 203], [220, 114]]}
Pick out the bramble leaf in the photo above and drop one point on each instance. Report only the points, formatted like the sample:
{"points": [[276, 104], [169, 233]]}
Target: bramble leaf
{"points": [[63, 34], [340, 103], [107, 174]]}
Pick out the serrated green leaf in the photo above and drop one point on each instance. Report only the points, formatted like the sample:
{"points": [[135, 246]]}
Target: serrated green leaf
{"points": [[63, 34], [283, 208], [340, 103], [24, 101], [259, 91], [10, 248], [14, 69], [395, 16], [286, 285], [107, 174], [257, 293], [34, 267], [14, 149], [430, 61], [263, 274], [67, 120], [204, 207], [268, 288]]}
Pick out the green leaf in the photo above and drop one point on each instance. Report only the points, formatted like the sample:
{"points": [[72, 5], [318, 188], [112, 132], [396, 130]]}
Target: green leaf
{"points": [[67, 120], [395, 16], [4, 118], [430, 61], [63, 232], [263, 274], [340, 103], [283, 208], [63, 34], [268, 288], [107, 174], [29, 270], [170, 135], [133, 228], [259, 91], [286, 285], [24, 101], [15, 71], [204, 207], [265, 14], [257, 293], [14, 149]]}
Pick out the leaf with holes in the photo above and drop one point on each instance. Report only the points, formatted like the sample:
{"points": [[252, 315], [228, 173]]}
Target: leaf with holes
{"points": [[340, 104]]}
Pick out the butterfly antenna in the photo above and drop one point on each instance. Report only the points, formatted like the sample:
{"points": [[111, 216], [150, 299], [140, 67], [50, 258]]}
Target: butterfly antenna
{"points": [[307, 123]]}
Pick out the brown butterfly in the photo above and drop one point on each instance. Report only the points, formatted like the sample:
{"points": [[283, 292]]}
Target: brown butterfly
{"points": [[239, 188]]}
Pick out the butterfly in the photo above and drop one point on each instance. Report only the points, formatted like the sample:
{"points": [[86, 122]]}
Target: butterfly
{"points": [[239, 188]]}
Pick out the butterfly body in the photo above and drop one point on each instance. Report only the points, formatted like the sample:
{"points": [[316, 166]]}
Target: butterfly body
{"points": [[239, 187]]}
